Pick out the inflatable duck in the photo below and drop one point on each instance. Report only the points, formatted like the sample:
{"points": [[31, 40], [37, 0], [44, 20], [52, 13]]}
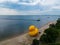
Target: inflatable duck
{"points": [[33, 31]]}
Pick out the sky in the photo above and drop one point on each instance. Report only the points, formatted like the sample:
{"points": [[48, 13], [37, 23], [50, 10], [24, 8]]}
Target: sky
{"points": [[29, 7]]}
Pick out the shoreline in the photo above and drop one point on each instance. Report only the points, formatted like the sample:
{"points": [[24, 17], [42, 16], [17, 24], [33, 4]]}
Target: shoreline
{"points": [[22, 37]]}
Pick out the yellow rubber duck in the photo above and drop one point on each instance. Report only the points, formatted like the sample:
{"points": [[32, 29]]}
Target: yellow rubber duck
{"points": [[33, 31]]}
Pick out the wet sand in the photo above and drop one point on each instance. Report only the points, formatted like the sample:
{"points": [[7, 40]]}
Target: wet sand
{"points": [[25, 39]]}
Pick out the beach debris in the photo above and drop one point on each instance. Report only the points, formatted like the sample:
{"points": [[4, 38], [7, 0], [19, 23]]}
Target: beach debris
{"points": [[33, 31]]}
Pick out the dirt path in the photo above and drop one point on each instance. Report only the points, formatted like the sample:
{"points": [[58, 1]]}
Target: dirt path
{"points": [[25, 38]]}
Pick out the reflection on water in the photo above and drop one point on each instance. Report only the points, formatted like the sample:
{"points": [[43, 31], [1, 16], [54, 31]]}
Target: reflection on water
{"points": [[11, 25]]}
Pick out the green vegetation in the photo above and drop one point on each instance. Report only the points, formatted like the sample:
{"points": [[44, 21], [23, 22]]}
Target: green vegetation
{"points": [[54, 44], [35, 42], [58, 24], [51, 35]]}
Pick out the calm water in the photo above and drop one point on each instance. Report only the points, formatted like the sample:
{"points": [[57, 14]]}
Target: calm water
{"points": [[12, 25]]}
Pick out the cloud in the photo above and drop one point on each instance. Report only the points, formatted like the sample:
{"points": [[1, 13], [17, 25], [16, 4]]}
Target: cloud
{"points": [[32, 7], [12, 1], [2, 1], [48, 2], [23, 2], [56, 7], [7, 11], [51, 12], [42, 5], [35, 2], [30, 2]]}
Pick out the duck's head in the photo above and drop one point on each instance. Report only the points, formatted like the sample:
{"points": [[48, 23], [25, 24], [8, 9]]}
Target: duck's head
{"points": [[31, 28]]}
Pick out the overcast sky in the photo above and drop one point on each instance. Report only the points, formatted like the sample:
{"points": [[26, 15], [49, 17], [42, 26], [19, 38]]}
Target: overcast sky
{"points": [[29, 7]]}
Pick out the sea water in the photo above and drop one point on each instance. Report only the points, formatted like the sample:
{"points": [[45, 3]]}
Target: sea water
{"points": [[16, 25]]}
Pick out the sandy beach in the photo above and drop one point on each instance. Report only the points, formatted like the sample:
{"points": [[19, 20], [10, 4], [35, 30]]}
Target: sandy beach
{"points": [[25, 39]]}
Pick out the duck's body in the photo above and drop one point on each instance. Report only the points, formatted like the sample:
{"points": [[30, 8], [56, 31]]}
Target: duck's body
{"points": [[33, 31]]}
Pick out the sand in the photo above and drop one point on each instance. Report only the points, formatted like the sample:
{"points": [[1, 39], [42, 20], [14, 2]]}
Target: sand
{"points": [[25, 39]]}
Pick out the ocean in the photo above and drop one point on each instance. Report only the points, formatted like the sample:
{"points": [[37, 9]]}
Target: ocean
{"points": [[18, 24]]}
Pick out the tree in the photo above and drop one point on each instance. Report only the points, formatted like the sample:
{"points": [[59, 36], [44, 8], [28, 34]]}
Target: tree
{"points": [[58, 21], [58, 24], [52, 33], [52, 25], [50, 37], [35, 42]]}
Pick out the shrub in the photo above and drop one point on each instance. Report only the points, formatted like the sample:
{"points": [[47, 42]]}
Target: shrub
{"points": [[58, 24], [54, 44], [52, 25], [50, 37], [35, 42]]}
